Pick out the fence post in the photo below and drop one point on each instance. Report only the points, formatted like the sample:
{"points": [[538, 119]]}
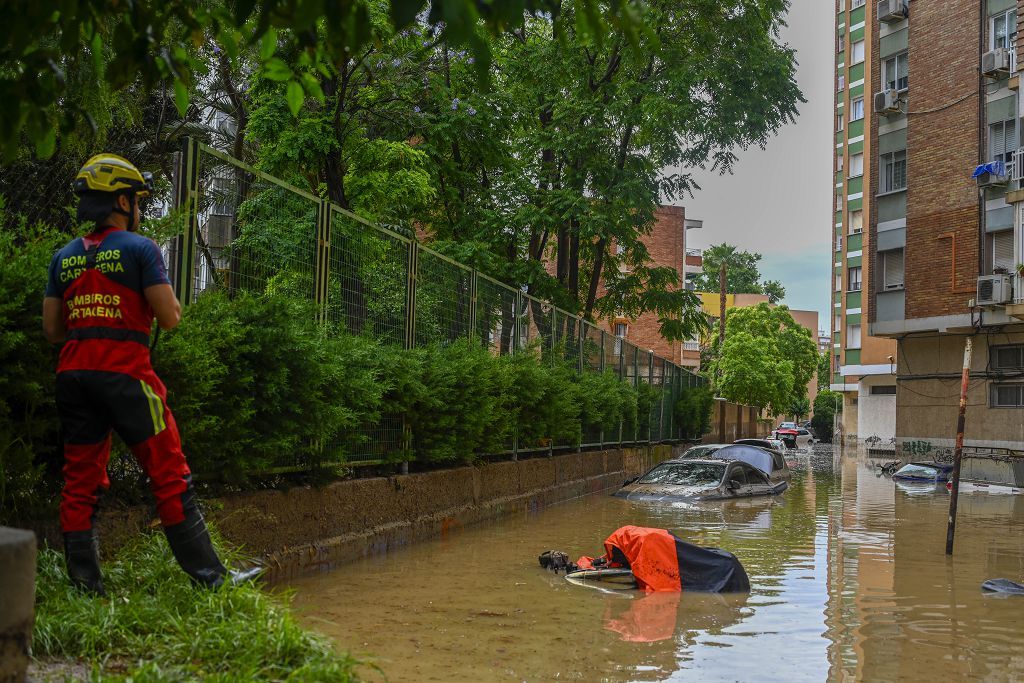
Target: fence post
{"points": [[187, 200], [412, 264], [323, 258], [517, 323], [472, 303], [650, 381], [601, 363]]}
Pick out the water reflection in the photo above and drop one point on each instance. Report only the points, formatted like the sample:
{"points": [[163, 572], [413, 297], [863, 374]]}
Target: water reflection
{"points": [[849, 582]]}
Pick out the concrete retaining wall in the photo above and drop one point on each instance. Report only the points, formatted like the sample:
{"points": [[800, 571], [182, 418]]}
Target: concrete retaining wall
{"points": [[17, 598], [307, 529]]}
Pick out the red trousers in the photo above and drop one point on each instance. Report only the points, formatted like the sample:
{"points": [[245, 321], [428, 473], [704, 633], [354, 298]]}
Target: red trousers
{"points": [[91, 405]]}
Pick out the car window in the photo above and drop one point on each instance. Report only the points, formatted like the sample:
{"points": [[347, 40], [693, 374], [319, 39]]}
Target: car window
{"points": [[700, 451], [685, 473], [753, 476], [738, 474], [802, 432], [918, 471], [778, 462]]}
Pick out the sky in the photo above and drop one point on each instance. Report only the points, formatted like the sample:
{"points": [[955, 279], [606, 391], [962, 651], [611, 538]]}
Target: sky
{"points": [[778, 201]]}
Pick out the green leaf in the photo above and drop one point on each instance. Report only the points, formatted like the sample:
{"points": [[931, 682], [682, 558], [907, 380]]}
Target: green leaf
{"points": [[276, 70], [312, 86], [295, 97], [268, 44], [180, 97], [96, 50]]}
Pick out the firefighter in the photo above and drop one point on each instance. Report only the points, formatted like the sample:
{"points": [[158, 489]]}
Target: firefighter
{"points": [[102, 295]]}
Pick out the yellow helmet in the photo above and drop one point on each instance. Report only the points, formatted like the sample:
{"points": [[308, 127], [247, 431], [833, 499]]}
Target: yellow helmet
{"points": [[111, 173]]}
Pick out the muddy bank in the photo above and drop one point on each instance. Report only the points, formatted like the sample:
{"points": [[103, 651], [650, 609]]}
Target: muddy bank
{"points": [[309, 529]]}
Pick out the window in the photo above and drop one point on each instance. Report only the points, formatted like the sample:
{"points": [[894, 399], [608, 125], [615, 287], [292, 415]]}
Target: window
{"points": [[620, 332], [1007, 357], [857, 52], [856, 3], [853, 278], [884, 390], [839, 162], [839, 121], [1003, 29], [839, 242], [839, 285], [839, 202], [894, 171], [620, 249], [856, 165], [842, 82], [842, 42], [853, 336], [1008, 395], [837, 323], [856, 220], [1000, 251], [837, 366], [891, 265], [894, 72], [857, 109], [1002, 141]]}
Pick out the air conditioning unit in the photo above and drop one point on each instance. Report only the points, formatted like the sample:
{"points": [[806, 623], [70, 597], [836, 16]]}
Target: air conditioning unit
{"points": [[992, 174], [996, 64], [994, 290], [887, 101], [891, 11]]}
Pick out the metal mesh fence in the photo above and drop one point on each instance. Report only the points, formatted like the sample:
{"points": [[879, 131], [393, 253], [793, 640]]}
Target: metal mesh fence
{"points": [[234, 229], [443, 299]]}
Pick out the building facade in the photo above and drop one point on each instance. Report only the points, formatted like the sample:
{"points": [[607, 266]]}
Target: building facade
{"points": [[943, 235], [863, 363]]}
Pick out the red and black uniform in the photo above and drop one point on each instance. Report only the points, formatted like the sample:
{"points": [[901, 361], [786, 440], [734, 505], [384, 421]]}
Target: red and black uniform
{"points": [[105, 380]]}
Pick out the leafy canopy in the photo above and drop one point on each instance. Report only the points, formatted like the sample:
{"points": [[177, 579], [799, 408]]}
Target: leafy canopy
{"points": [[767, 359]]}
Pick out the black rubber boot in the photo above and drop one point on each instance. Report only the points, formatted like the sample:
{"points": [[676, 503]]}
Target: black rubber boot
{"points": [[191, 545], [81, 551]]}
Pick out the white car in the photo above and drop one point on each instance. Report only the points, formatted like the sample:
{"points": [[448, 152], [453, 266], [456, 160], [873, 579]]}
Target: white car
{"points": [[795, 437]]}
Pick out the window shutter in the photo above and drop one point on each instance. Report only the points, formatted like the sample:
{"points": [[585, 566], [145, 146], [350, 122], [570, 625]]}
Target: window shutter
{"points": [[1002, 250], [996, 140], [893, 267], [1010, 137]]}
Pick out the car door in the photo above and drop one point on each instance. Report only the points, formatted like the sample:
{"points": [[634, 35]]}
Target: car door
{"points": [[758, 483], [739, 477]]}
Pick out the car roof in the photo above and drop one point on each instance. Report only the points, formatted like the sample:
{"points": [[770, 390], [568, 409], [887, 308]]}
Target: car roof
{"points": [[752, 455], [704, 461]]}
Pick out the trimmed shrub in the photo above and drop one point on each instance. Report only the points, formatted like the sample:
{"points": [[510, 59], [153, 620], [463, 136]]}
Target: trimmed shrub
{"points": [[462, 411], [256, 384], [29, 431], [693, 411]]}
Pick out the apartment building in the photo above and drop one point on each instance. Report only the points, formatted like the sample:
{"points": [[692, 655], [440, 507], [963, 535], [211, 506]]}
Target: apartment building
{"points": [[666, 245], [863, 363], [943, 234]]}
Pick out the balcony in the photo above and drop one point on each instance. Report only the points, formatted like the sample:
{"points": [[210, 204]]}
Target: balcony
{"points": [[691, 346]]}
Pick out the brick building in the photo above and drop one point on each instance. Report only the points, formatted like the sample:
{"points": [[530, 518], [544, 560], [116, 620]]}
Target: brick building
{"points": [[862, 364], [945, 246]]}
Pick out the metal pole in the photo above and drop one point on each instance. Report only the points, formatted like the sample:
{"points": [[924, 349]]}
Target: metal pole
{"points": [[959, 452]]}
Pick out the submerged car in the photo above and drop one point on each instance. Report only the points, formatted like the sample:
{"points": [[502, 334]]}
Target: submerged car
{"points": [[924, 471], [694, 479], [770, 444]]}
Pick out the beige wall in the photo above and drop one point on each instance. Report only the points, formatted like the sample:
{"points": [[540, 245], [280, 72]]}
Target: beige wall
{"points": [[927, 407], [740, 423]]}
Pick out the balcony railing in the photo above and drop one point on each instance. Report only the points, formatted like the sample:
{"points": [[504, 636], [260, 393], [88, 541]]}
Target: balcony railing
{"points": [[1013, 60], [691, 346], [1015, 166]]}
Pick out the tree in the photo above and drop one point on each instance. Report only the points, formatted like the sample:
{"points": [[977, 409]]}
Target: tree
{"points": [[799, 408], [827, 404], [43, 41], [767, 359], [824, 370], [743, 275]]}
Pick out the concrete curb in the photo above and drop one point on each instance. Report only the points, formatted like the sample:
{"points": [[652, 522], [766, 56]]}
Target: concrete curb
{"points": [[17, 601]]}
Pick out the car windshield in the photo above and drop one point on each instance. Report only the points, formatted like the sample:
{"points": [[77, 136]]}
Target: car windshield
{"points": [[918, 471], [685, 473], [700, 451]]}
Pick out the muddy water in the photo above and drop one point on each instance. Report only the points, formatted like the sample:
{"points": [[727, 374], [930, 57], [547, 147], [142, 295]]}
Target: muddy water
{"points": [[849, 582]]}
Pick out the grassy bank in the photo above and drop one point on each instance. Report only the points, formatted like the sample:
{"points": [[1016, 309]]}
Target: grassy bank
{"points": [[155, 626]]}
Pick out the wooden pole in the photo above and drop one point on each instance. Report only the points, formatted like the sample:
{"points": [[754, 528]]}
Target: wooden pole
{"points": [[959, 452]]}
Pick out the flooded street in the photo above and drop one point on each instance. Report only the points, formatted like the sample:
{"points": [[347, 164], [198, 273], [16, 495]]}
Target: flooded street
{"points": [[848, 577]]}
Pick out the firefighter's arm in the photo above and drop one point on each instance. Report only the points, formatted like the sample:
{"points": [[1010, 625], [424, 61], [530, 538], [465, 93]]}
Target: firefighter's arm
{"points": [[165, 305], [53, 321]]}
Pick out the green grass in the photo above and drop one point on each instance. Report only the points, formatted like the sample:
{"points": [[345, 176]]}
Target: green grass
{"points": [[155, 626]]}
